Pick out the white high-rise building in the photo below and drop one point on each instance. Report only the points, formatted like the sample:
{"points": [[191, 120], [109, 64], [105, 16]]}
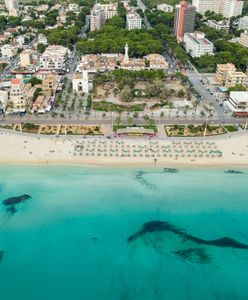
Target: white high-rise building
{"points": [[227, 8], [204, 5], [231, 8], [134, 21], [12, 7]]}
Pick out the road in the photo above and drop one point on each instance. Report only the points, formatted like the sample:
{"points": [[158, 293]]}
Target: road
{"points": [[110, 119], [75, 54], [195, 78]]}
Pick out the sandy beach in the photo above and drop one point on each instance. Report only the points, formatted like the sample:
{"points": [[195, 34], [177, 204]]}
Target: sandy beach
{"points": [[225, 150]]}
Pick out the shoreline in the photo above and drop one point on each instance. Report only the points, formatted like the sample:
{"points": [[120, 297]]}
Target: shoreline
{"points": [[112, 164], [228, 152]]}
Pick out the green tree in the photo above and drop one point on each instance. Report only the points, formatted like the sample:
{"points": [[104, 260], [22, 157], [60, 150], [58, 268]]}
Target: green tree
{"points": [[34, 81], [41, 48]]}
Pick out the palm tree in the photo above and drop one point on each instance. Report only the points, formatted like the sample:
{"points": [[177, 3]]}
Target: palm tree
{"points": [[170, 104], [161, 115], [186, 111], [129, 121], [118, 121], [196, 104]]}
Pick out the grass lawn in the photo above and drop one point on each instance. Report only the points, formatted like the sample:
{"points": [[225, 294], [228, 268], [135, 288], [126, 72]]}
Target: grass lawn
{"points": [[231, 128], [109, 106]]}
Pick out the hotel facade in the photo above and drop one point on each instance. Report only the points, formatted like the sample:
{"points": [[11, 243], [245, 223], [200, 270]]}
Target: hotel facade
{"points": [[184, 20]]}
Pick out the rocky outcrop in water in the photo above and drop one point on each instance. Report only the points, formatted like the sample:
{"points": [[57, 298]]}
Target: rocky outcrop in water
{"points": [[1, 256], [12, 202], [156, 226], [180, 242], [170, 170], [16, 200], [139, 176], [234, 172]]}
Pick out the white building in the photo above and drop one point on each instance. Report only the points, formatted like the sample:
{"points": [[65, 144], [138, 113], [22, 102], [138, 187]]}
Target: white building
{"points": [[4, 97], [134, 21], [54, 58], [20, 40], [25, 58], [231, 8], [221, 25], [12, 7], [227, 8], [42, 39], [8, 51], [238, 103], [243, 40], [165, 7], [73, 7], [197, 45], [42, 7], [204, 5], [243, 23], [80, 82]]}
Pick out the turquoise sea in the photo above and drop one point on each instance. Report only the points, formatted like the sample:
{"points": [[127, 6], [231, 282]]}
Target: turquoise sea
{"points": [[80, 236]]}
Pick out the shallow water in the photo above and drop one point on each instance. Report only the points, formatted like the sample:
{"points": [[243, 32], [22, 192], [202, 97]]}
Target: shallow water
{"points": [[70, 240]]}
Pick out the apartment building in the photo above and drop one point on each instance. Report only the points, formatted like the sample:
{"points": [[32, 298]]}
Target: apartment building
{"points": [[222, 70], [4, 98], [54, 58], [204, 5], [100, 13], [243, 40], [197, 45], [184, 20], [236, 78], [231, 8], [18, 94], [25, 58], [238, 103], [227, 75], [12, 7], [243, 23], [50, 83], [8, 51], [134, 21], [227, 8], [221, 25], [165, 7]]}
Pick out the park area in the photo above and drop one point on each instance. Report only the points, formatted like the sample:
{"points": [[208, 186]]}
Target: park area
{"points": [[138, 90], [194, 130]]}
